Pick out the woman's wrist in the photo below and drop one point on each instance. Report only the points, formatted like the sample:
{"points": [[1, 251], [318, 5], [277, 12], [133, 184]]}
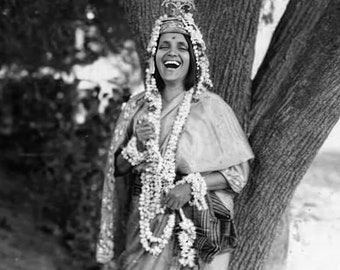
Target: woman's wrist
{"points": [[198, 190], [132, 154]]}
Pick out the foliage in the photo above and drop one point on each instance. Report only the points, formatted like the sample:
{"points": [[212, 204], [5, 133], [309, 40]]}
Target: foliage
{"points": [[39, 134], [39, 33], [62, 159]]}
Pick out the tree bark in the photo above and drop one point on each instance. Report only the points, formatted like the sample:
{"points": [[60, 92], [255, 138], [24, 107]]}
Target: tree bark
{"points": [[287, 138], [287, 42], [229, 30], [141, 16], [277, 257]]}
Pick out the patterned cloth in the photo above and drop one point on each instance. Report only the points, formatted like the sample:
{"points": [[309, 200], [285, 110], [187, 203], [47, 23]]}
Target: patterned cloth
{"points": [[216, 232], [215, 237]]}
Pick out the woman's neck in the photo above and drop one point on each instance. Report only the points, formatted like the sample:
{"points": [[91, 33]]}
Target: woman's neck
{"points": [[171, 91]]}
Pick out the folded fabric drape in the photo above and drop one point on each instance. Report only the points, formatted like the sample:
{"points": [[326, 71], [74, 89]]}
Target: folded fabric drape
{"points": [[212, 140]]}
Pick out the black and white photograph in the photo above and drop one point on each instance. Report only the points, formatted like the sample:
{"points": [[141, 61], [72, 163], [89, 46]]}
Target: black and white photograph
{"points": [[170, 135]]}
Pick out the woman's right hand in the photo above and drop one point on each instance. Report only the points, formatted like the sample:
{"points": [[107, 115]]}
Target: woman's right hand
{"points": [[144, 131]]}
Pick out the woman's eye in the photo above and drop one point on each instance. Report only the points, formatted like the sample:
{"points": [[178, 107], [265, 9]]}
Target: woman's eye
{"points": [[163, 47], [183, 49]]}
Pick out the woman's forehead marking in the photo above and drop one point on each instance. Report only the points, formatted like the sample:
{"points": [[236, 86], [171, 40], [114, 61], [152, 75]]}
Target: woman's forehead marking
{"points": [[169, 37]]}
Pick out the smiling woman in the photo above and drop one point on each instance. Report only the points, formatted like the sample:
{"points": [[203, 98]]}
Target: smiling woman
{"points": [[187, 157], [173, 59], [183, 46]]}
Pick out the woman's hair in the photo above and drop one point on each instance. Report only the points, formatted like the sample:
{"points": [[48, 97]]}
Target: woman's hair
{"points": [[190, 79]]}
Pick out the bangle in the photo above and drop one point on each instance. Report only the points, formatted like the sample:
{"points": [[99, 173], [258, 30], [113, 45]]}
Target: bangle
{"points": [[131, 153], [198, 190]]}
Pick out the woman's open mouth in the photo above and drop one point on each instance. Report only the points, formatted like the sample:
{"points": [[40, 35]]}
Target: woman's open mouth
{"points": [[171, 64]]}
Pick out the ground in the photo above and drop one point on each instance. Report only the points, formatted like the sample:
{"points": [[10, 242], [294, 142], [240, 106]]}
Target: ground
{"points": [[314, 226], [315, 215], [23, 246]]}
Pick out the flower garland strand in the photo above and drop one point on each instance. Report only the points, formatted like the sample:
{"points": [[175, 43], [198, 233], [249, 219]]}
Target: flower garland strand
{"points": [[198, 190], [186, 239], [159, 175], [131, 153]]}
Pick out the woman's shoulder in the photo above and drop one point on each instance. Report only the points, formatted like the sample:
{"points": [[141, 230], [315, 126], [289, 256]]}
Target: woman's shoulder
{"points": [[211, 97], [130, 107], [214, 101], [136, 98]]}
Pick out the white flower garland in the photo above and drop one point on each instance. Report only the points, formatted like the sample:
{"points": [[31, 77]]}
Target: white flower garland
{"points": [[159, 175], [131, 153], [186, 239], [198, 190]]}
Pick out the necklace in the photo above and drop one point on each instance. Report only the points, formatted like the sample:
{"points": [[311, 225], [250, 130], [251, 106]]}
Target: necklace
{"points": [[159, 175]]}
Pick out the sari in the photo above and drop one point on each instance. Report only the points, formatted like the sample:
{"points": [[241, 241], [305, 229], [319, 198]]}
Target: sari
{"points": [[212, 140]]}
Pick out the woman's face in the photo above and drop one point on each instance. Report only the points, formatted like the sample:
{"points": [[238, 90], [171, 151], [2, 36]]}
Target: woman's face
{"points": [[173, 58]]}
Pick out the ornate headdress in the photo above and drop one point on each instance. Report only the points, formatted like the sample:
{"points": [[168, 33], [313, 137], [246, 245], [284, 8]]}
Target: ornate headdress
{"points": [[179, 19]]}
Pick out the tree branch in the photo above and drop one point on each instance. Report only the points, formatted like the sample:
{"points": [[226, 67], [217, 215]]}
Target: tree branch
{"points": [[288, 41]]}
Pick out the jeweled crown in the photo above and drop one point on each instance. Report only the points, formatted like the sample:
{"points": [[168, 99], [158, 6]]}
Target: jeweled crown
{"points": [[173, 8], [174, 11]]}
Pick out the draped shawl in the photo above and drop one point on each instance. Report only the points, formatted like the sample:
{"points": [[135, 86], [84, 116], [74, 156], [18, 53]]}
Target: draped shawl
{"points": [[211, 140]]}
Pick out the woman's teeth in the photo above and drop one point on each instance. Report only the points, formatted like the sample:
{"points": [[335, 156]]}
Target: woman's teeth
{"points": [[171, 64]]}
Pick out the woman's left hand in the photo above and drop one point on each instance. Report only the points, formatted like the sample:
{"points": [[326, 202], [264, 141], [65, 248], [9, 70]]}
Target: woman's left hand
{"points": [[178, 196]]}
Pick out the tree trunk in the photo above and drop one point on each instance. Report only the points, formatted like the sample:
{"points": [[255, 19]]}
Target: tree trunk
{"points": [[288, 40], [141, 16], [229, 30], [278, 254], [287, 138], [303, 106]]}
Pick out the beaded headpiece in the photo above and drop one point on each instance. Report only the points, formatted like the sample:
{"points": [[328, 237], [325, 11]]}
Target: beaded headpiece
{"points": [[179, 19]]}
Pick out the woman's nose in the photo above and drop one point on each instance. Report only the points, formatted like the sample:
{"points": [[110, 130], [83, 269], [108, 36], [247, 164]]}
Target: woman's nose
{"points": [[172, 52]]}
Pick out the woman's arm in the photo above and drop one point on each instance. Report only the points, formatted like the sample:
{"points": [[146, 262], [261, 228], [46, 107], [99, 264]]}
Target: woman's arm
{"points": [[144, 131], [236, 176], [215, 181], [233, 178]]}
